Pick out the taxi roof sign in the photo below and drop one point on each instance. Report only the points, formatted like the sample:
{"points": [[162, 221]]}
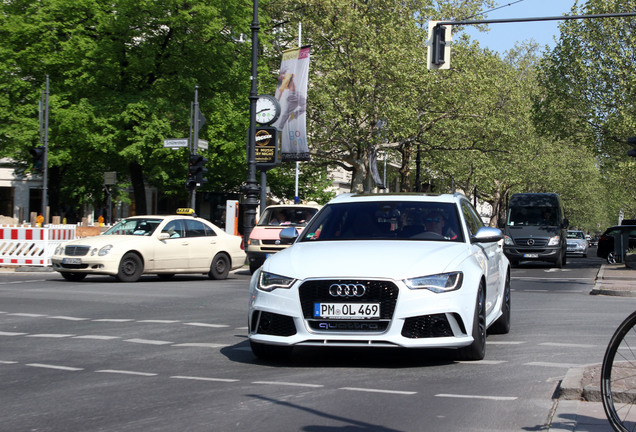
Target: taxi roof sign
{"points": [[185, 211]]}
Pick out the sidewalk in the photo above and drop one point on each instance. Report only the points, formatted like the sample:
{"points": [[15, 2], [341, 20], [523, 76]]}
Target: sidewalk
{"points": [[579, 407]]}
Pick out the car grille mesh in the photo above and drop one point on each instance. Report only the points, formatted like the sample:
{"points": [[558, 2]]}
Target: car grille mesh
{"points": [[76, 250], [536, 242], [426, 326], [317, 291], [273, 324]]}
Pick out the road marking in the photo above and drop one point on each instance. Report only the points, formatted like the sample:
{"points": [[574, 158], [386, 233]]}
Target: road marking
{"points": [[206, 325], [97, 337], [148, 341], [204, 378], [567, 345], [458, 396], [8, 362], [3, 333], [50, 335], [201, 345], [159, 321], [288, 384], [50, 366], [125, 372], [68, 318], [370, 390], [484, 362], [117, 320], [504, 342], [557, 365], [29, 315]]}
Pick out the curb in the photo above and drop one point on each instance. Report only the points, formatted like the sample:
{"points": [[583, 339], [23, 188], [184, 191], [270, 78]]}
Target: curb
{"points": [[571, 387]]}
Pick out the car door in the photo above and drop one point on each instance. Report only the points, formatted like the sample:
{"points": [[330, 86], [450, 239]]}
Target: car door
{"points": [[172, 253], [202, 244], [492, 251]]}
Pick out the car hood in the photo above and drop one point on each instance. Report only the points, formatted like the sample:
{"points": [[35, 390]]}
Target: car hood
{"points": [[532, 231], [367, 258], [103, 240]]}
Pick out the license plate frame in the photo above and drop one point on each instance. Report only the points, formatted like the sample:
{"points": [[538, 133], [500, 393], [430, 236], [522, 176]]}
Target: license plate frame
{"points": [[347, 311], [71, 261], [531, 255]]}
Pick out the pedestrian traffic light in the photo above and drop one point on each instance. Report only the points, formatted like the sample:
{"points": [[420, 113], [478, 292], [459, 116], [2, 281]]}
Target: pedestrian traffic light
{"points": [[632, 142], [38, 157], [196, 171]]}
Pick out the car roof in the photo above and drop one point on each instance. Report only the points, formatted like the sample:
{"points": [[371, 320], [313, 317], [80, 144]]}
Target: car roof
{"points": [[277, 206], [407, 196]]}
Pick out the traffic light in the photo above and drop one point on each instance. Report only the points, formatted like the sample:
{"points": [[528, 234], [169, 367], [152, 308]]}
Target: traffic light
{"points": [[632, 142], [439, 42], [439, 45], [38, 157], [196, 171]]}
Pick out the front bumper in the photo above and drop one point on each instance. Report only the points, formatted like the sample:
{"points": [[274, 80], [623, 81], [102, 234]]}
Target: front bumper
{"points": [[87, 264], [408, 318], [515, 253]]}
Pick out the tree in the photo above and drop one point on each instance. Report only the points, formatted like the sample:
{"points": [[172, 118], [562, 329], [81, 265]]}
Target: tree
{"points": [[122, 76]]}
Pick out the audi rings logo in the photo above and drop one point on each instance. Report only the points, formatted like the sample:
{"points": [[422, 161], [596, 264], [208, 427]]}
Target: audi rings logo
{"points": [[530, 242], [347, 290]]}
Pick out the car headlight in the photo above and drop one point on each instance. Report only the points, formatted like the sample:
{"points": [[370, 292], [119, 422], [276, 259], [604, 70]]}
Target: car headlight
{"points": [[270, 281], [439, 283], [59, 250], [554, 241], [253, 242], [509, 241], [104, 250]]}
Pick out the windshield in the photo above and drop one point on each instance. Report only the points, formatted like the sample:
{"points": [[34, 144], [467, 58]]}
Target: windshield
{"points": [[290, 216], [576, 235], [388, 220], [533, 216], [137, 226]]}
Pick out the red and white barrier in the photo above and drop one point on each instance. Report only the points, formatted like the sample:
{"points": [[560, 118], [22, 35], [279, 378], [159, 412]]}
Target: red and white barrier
{"points": [[32, 246]]}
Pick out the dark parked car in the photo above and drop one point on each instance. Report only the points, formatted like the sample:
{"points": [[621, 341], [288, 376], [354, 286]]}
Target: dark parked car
{"points": [[606, 241]]}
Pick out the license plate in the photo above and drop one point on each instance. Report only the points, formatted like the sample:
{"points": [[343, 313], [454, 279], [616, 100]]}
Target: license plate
{"points": [[71, 260], [347, 310], [531, 255]]}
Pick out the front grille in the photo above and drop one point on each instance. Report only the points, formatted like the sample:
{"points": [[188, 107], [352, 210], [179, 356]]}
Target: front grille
{"points": [[273, 324], [76, 250], [377, 291], [426, 326], [538, 242]]}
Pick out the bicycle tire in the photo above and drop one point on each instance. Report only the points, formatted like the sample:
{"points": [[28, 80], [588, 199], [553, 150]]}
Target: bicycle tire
{"points": [[618, 377]]}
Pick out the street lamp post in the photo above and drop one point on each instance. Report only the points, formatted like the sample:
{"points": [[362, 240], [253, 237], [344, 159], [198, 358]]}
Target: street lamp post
{"points": [[251, 189]]}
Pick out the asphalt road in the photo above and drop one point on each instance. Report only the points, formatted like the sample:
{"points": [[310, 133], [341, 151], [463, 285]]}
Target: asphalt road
{"points": [[99, 355]]}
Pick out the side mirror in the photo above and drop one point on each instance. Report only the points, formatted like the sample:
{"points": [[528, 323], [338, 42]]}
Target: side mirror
{"points": [[163, 236], [288, 235], [487, 235], [566, 223]]}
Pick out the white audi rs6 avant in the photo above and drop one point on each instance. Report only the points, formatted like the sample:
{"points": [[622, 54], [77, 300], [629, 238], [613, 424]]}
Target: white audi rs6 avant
{"points": [[389, 270]]}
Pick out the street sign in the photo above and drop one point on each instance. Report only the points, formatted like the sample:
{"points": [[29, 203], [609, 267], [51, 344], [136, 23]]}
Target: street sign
{"points": [[175, 142], [203, 144], [110, 177]]}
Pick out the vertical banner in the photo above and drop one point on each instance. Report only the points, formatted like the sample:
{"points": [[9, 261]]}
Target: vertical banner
{"points": [[291, 93]]}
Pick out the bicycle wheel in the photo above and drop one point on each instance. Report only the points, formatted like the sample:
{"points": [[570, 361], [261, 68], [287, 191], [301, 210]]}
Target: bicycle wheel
{"points": [[618, 377]]}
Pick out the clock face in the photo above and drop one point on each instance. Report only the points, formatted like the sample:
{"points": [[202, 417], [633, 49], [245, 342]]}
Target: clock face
{"points": [[267, 109]]}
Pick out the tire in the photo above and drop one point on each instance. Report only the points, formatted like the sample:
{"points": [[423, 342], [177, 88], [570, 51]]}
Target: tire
{"points": [[617, 387], [477, 349], [220, 267], [130, 268], [165, 276], [502, 325], [73, 277], [560, 261], [255, 266], [270, 352]]}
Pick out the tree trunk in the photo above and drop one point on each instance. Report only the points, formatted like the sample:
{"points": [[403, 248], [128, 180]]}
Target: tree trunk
{"points": [[139, 189]]}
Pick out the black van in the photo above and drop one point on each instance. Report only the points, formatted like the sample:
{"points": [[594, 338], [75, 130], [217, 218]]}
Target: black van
{"points": [[535, 229]]}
